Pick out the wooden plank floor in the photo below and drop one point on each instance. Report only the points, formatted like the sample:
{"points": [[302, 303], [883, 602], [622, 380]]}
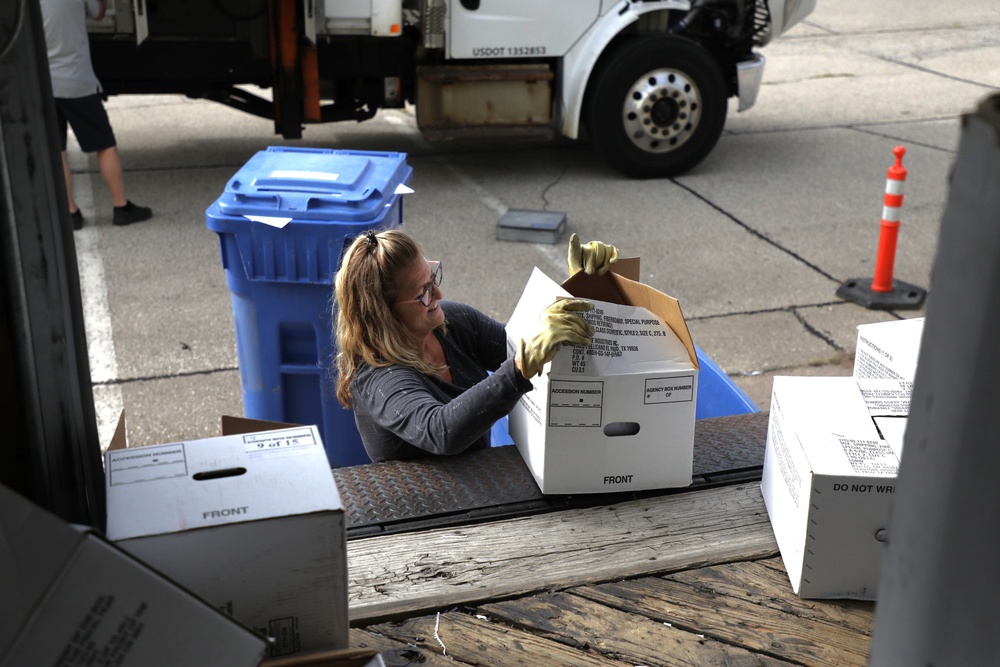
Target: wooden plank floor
{"points": [[686, 579]]}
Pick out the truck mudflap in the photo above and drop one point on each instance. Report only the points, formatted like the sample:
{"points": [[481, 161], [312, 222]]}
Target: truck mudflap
{"points": [[749, 74]]}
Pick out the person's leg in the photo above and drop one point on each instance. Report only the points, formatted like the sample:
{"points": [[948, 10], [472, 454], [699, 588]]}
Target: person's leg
{"points": [[109, 161], [90, 123], [63, 127], [75, 214], [68, 176]]}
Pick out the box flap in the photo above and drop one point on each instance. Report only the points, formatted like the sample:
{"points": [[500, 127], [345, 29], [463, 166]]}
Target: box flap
{"points": [[231, 425], [831, 422], [105, 607], [120, 439], [628, 267], [34, 546], [629, 338], [615, 288], [239, 425], [894, 345], [539, 292], [885, 364]]}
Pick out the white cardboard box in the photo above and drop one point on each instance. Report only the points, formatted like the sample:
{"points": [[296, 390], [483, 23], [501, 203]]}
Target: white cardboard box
{"points": [[617, 415], [251, 522], [828, 485], [885, 363], [69, 597]]}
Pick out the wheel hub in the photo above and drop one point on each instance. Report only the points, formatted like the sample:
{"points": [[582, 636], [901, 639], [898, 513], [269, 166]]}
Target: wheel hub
{"points": [[661, 111]]}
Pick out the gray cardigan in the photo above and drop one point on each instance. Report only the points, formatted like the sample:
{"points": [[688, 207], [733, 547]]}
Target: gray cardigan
{"points": [[403, 414]]}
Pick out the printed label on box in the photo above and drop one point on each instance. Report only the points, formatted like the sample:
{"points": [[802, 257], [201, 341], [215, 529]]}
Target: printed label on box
{"points": [[872, 361], [284, 633], [575, 403], [869, 457], [886, 397], [143, 464], [279, 443], [532, 408], [107, 643], [644, 336], [786, 465], [670, 390]]}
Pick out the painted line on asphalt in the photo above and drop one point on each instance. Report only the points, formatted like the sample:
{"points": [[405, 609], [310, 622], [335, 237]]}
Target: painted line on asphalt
{"points": [[108, 401]]}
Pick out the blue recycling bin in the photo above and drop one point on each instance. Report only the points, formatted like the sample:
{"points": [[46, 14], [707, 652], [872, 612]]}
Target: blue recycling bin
{"points": [[284, 221], [718, 396]]}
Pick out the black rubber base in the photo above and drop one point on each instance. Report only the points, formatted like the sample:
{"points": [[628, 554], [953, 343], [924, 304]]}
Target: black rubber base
{"points": [[489, 484], [902, 297]]}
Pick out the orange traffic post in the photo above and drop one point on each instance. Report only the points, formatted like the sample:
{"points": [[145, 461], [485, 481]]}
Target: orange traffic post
{"points": [[892, 202], [883, 292]]}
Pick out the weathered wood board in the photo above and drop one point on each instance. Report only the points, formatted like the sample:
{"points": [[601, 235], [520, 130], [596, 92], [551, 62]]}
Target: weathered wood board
{"points": [[748, 605], [467, 638], [622, 635], [396, 653], [740, 614], [407, 574]]}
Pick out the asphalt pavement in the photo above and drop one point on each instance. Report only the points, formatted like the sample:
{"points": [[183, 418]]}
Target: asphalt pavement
{"points": [[754, 242]]}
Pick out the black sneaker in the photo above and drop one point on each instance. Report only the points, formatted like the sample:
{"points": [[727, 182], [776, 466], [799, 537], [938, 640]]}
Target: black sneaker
{"points": [[77, 218], [129, 213]]}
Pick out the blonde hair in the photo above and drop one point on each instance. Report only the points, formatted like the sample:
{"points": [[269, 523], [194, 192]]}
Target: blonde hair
{"points": [[365, 289]]}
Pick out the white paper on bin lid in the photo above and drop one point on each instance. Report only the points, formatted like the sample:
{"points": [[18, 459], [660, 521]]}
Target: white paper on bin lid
{"points": [[280, 222], [273, 222]]}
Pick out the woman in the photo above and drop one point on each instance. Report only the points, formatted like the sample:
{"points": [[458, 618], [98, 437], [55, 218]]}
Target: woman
{"points": [[415, 369]]}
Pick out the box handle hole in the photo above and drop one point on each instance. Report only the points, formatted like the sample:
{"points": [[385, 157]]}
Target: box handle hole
{"points": [[616, 429], [216, 474]]}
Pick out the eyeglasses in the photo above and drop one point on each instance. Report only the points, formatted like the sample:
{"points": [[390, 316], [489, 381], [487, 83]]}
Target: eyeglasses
{"points": [[436, 277]]}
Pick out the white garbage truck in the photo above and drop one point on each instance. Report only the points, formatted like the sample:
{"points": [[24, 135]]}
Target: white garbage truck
{"points": [[646, 82]]}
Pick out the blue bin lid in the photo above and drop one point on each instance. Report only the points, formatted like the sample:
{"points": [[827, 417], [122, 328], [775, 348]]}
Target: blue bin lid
{"points": [[315, 184]]}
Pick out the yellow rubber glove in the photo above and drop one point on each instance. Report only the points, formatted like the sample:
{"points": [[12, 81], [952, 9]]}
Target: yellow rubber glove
{"points": [[560, 324], [595, 257]]}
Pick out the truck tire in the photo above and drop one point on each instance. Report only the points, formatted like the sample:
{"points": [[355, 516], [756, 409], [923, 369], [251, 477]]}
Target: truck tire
{"points": [[656, 108]]}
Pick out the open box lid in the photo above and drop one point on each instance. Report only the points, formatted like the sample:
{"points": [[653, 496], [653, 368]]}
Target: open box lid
{"points": [[637, 329], [68, 591], [231, 425], [621, 286], [34, 547]]}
